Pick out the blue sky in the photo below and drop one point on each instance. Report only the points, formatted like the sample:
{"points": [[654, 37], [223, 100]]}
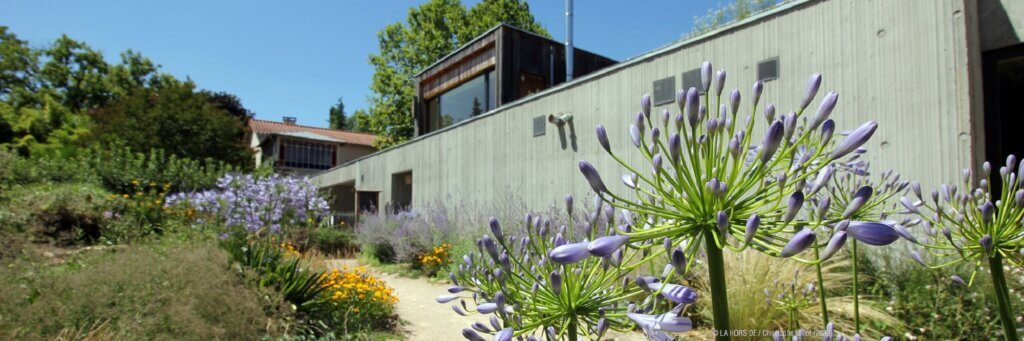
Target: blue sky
{"points": [[295, 58]]}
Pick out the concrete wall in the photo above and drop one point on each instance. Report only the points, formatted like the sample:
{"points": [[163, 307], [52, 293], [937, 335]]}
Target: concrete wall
{"points": [[903, 63]]}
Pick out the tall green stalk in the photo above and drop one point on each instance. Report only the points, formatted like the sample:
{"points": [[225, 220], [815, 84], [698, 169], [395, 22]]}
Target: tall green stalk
{"points": [[719, 296], [821, 291], [572, 330], [856, 293], [1002, 297]]}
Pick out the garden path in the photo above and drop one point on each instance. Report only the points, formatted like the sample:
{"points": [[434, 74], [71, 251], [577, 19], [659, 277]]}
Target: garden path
{"points": [[425, 319]]}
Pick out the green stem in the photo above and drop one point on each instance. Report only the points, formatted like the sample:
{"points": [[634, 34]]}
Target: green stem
{"points": [[1002, 297], [856, 293], [719, 296], [821, 292], [572, 330]]}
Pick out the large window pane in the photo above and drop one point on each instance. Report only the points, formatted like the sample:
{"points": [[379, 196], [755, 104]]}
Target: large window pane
{"points": [[469, 99], [309, 155]]}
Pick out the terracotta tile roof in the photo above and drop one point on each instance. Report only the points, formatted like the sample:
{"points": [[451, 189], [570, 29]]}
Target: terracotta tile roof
{"points": [[271, 127]]}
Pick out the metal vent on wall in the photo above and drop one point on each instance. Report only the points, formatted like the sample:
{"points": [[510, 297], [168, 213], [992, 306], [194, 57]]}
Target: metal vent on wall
{"points": [[539, 125], [663, 90], [691, 79], [768, 69]]}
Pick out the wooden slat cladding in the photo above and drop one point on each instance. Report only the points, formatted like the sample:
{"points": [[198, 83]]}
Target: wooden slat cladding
{"points": [[461, 71]]}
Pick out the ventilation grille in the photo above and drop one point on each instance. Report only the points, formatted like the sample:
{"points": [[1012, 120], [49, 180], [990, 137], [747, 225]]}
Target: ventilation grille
{"points": [[691, 79], [663, 89], [539, 125], [768, 69]]}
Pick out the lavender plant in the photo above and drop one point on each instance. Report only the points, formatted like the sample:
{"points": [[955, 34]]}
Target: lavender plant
{"points": [[708, 182], [257, 205], [549, 283], [974, 228]]}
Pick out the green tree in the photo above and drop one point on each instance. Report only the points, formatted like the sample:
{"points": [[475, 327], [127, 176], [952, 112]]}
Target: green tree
{"points": [[336, 115], [175, 118], [726, 14], [18, 64], [229, 103], [431, 31], [360, 121]]}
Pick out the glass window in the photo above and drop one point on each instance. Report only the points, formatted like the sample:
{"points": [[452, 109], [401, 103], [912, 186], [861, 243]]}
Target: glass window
{"points": [[309, 155], [474, 97]]}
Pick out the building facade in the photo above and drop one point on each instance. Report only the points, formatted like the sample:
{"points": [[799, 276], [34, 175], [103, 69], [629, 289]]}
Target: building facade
{"points": [[942, 78], [291, 148]]}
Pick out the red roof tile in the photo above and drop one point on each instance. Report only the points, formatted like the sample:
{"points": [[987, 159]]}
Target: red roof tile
{"points": [[271, 127]]}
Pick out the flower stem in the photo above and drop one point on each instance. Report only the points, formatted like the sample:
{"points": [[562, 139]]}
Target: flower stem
{"points": [[572, 330], [719, 296], [821, 292], [856, 293], [1002, 297]]}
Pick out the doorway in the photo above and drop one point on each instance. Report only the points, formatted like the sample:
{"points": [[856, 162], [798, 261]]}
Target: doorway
{"points": [[1003, 72]]}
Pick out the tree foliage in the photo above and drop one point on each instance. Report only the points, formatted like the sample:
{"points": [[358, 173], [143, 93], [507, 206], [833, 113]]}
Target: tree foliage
{"points": [[336, 115], [58, 98], [174, 118], [723, 15], [431, 31]]}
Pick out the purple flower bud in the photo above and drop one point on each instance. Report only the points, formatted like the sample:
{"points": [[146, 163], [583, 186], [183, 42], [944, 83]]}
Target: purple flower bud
{"points": [[645, 105], [675, 144], [872, 233], [656, 163], [719, 82], [987, 211], [796, 201], [692, 102], [456, 289], [753, 223], [812, 89], [824, 110], [679, 293], [756, 91], [986, 243], [722, 219], [480, 327], [800, 242], [824, 176], [665, 116], [860, 198], [917, 258], [471, 335], [555, 280], [956, 279], [569, 253], [734, 101], [705, 76], [667, 243], [496, 229], [681, 99], [1018, 198], [486, 308], [592, 177], [655, 134], [678, 260], [634, 135], [602, 138], [771, 141], [769, 113], [789, 125], [734, 147], [834, 244], [458, 310], [602, 327], [605, 246], [446, 298], [857, 138], [823, 205], [559, 240], [494, 321]]}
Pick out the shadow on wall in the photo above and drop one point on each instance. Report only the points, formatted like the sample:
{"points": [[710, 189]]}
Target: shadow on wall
{"points": [[995, 25]]}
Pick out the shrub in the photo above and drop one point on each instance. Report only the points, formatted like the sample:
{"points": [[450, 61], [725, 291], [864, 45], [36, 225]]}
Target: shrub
{"points": [[332, 241], [169, 290], [435, 260], [360, 301], [62, 214]]}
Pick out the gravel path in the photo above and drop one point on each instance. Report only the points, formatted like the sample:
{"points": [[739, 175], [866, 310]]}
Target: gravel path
{"points": [[425, 319]]}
